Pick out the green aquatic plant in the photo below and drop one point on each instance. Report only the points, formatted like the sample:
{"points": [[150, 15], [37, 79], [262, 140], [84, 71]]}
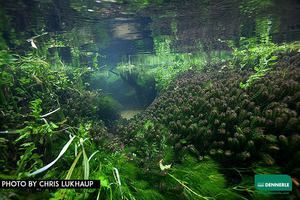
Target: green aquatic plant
{"points": [[33, 136], [120, 179], [259, 53], [259, 57], [145, 146], [240, 127], [124, 178], [167, 64], [30, 77], [55, 125], [32, 86], [198, 180]]}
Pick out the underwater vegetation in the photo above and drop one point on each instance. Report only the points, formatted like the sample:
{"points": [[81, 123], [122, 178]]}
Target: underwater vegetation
{"points": [[212, 119], [28, 78], [210, 114], [204, 137], [165, 65], [238, 123]]}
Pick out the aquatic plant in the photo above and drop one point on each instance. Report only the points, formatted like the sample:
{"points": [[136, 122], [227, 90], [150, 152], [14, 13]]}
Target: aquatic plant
{"points": [[42, 105], [197, 180], [26, 78], [232, 125], [212, 127], [258, 53], [166, 64], [257, 56]]}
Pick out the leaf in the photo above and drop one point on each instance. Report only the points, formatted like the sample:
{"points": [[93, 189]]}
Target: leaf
{"points": [[73, 166], [104, 182], [93, 155], [273, 58], [85, 162], [23, 135], [64, 149]]}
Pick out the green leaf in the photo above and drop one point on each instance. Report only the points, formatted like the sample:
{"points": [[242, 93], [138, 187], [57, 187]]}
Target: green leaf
{"points": [[104, 182], [70, 172], [64, 149]]}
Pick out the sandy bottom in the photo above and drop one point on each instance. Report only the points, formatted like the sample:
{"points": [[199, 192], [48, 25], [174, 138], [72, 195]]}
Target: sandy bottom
{"points": [[128, 114]]}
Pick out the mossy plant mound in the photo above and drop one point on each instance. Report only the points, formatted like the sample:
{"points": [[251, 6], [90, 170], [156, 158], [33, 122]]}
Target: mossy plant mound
{"points": [[209, 114]]}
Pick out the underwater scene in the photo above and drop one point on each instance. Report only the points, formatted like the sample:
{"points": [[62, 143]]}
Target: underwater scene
{"points": [[154, 99]]}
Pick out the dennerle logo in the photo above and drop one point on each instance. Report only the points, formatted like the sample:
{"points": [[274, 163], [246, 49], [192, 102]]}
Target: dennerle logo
{"points": [[273, 182]]}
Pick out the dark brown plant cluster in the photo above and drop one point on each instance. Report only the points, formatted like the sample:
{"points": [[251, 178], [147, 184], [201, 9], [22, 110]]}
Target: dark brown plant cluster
{"points": [[208, 113], [87, 105]]}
